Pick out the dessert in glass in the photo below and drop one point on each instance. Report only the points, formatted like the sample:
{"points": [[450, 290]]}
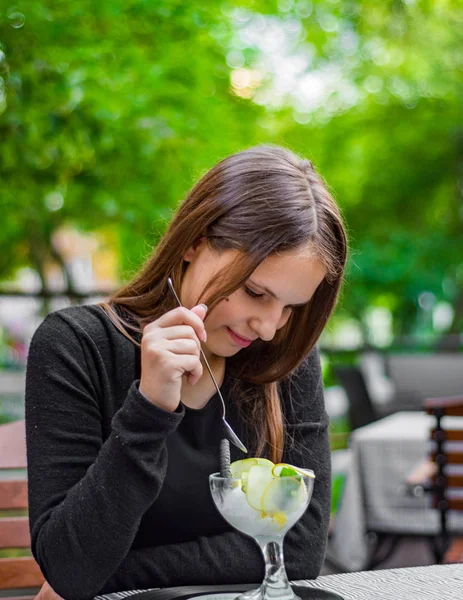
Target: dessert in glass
{"points": [[264, 501]]}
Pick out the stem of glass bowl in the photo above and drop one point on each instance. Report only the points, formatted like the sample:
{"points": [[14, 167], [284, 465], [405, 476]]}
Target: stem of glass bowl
{"points": [[276, 584]]}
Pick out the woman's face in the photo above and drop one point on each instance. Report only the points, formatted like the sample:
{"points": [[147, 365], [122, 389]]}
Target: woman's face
{"points": [[252, 311]]}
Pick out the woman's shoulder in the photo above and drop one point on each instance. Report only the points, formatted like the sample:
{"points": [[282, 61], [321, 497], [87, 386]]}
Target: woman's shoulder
{"points": [[88, 318], [78, 323]]}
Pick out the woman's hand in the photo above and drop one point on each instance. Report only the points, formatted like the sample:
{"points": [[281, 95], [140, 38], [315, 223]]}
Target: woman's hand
{"points": [[170, 348], [47, 593]]}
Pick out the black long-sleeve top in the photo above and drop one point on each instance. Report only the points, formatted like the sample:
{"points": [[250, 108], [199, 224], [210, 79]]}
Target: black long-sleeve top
{"points": [[118, 487]]}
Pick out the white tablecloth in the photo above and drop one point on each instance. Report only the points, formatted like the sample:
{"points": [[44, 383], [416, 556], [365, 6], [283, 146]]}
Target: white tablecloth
{"points": [[382, 456], [437, 582]]}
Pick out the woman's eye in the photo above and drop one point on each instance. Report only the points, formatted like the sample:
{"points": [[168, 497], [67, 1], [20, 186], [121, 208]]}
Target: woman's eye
{"points": [[249, 292]]}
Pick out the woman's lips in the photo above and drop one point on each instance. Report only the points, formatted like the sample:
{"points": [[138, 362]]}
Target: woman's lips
{"points": [[239, 341]]}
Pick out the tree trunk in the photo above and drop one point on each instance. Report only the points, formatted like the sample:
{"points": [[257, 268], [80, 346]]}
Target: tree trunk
{"points": [[38, 260], [70, 286]]}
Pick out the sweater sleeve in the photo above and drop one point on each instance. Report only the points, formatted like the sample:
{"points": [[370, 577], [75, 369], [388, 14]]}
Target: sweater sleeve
{"points": [[76, 492], [233, 557]]}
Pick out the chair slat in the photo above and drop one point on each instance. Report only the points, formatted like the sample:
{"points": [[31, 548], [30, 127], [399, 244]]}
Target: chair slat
{"points": [[20, 573], [453, 457], [14, 533], [451, 406], [451, 435], [13, 446], [453, 481], [452, 503], [13, 494], [455, 503], [19, 597]]}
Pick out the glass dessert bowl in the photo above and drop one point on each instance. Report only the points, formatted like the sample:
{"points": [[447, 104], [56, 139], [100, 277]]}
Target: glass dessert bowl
{"points": [[263, 501]]}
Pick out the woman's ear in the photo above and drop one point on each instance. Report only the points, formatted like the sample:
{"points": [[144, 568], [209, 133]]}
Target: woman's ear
{"points": [[194, 250]]}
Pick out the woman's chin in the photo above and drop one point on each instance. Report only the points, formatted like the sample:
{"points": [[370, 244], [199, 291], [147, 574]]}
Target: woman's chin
{"points": [[225, 352], [220, 351]]}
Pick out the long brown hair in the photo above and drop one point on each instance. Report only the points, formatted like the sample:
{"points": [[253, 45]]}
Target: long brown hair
{"points": [[259, 201]]}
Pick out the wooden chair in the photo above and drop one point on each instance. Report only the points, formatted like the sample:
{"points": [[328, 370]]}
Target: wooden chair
{"points": [[442, 475], [20, 574]]}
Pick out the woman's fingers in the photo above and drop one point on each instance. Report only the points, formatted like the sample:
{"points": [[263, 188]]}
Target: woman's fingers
{"points": [[189, 363], [183, 346], [170, 348], [181, 316]]}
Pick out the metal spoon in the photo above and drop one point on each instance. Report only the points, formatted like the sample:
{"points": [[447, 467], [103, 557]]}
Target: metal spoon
{"points": [[230, 433]]}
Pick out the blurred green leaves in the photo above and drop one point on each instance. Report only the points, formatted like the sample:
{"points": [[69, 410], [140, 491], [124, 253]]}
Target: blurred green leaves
{"points": [[110, 111], [116, 107]]}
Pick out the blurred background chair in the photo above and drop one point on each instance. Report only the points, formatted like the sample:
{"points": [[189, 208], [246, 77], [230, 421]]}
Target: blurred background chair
{"points": [[381, 385], [19, 573], [442, 475], [417, 376]]}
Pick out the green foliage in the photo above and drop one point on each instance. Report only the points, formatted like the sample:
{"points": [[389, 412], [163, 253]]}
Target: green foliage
{"points": [[337, 488], [110, 111], [395, 157]]}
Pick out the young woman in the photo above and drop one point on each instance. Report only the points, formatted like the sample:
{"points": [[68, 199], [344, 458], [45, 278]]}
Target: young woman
{"points": [[124, 424]]}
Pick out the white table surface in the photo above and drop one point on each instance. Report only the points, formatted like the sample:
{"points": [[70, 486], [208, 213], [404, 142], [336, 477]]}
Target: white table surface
{"points": [[382, 456], [437, 582]]}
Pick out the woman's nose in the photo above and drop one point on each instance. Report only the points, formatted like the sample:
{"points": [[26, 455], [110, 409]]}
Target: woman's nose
{"points": [[267, 324]]}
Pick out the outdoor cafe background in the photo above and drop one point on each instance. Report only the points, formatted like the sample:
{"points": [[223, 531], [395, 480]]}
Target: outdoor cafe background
{"points": [[109, 112]]}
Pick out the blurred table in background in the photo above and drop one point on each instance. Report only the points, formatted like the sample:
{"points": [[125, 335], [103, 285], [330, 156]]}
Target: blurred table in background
{"points": [[382, 455]]}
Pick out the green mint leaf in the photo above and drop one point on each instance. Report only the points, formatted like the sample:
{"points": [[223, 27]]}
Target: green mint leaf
{"points": [[288, 472]]}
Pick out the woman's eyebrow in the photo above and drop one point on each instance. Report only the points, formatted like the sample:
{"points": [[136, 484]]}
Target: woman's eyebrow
{"points": [[270, 293]]}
